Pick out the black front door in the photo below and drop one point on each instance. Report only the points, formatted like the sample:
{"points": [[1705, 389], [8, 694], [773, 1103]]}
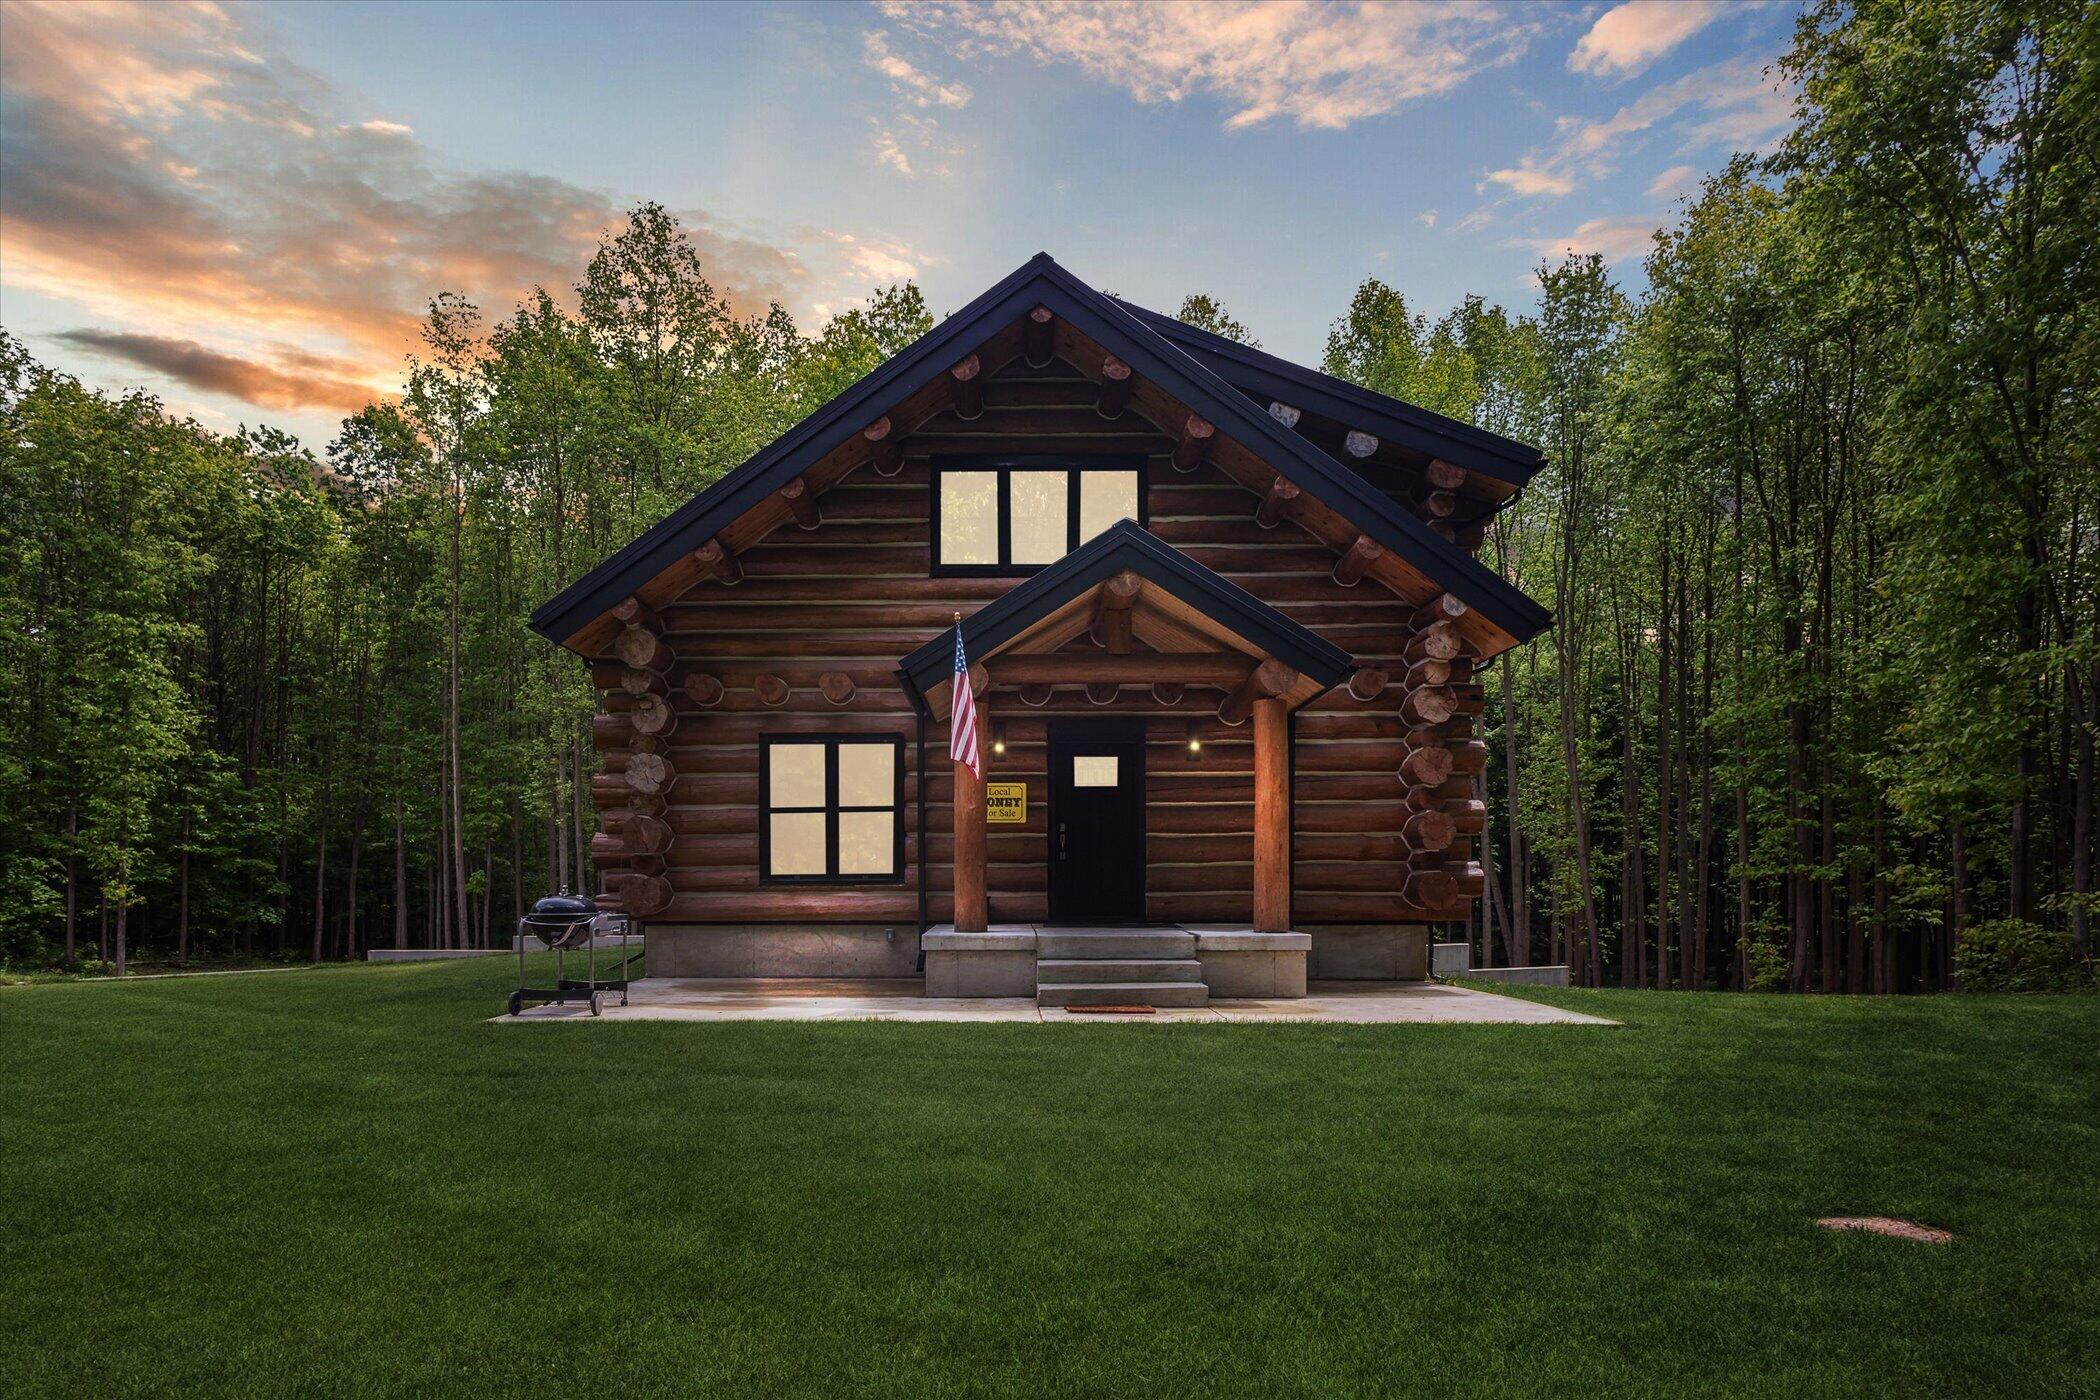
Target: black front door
{"points": [[1097, 822]]}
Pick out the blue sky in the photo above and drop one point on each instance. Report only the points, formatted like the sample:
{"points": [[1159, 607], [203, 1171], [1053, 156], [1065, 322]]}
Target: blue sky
{"points": [[243, 208]]}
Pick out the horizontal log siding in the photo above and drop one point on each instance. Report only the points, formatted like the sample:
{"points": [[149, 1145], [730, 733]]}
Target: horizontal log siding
{"points": [[853, 595]]}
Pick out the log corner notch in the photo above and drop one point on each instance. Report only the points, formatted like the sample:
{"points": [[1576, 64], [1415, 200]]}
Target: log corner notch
{"points": [[1112, 611], [968, 380], [719, 562], [640, 644], [1276, 506], [1357, 561], [801, 502], [1035, 337], [1265, 682], [1115, 388], [884, 451], [1194, 446]]}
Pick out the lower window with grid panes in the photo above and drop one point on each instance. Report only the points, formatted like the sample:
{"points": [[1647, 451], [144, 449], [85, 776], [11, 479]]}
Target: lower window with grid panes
{"points": [[829, 809]]}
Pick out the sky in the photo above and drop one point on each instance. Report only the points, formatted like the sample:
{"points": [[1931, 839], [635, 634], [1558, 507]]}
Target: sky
{"points": [[244, 209]]}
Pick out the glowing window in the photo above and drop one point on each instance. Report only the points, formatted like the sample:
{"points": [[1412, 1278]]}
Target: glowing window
{"points": [[831, 809], [1094, 770], [1012, 517]]}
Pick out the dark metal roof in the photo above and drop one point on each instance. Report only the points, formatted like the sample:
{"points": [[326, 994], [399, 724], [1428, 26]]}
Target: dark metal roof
{"points": [[1040, 281], [1125, 545], [1393, 420]]}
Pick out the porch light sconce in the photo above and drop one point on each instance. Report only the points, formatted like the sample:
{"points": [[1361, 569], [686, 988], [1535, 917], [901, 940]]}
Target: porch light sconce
{"points": [[999, 740], [1195, 743]]}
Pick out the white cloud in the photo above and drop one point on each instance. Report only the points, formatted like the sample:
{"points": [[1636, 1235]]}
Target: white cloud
{"points": [[1317, 65], [1673, 182], [875, 260], [1742, 108], [1427, 219], [1528, 179], [1613, 238], [377, 127], [890, 153], [912, 84], [1628, 37]]}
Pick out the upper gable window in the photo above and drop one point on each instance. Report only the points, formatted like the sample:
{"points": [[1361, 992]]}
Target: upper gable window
{"points": [[1014, 515]]}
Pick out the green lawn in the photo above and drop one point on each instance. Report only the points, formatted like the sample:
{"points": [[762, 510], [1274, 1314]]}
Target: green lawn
{"points": [[344, 1181]]}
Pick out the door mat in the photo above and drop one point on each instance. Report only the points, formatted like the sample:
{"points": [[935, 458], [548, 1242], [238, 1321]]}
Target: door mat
{"points": [[1110, 1010]]}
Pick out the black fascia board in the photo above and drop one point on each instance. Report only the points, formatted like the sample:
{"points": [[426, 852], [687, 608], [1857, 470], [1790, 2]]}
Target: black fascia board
{"points": [[1038, 281], [1342, 490], [1125, 545], [745, 486], [1257, 371]]}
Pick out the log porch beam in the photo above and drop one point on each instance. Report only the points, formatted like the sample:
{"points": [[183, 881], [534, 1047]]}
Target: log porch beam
{"points": [[1272, 817], [972, 908]]}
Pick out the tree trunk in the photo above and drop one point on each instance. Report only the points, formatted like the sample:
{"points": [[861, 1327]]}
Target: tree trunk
{"points": [[357, 845], [400, 880], [321, 882], [182, 893], [1958, 851], [1519, 908], [72, 881]]}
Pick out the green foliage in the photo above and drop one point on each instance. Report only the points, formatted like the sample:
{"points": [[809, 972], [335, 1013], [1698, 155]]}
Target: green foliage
{"points": [[1207, 313], [250, 695], [1766, 959], [2012, 955]]}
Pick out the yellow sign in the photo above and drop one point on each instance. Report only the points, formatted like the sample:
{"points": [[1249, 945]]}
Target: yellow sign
{"points": [[1006, 804]]}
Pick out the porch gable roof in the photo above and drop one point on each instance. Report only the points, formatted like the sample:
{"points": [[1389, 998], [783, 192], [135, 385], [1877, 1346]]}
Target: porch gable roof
{"points": [[1125, 546]]}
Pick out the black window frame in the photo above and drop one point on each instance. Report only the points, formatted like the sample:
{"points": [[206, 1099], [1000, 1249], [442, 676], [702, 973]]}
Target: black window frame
{"points": [[1075, 466], [831, 809]]}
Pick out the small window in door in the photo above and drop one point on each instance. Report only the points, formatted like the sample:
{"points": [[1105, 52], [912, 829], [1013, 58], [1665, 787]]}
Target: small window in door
{"points": [[1094, 770]]}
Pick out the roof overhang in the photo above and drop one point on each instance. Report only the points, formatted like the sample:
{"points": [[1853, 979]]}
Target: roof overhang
{"points": [[1265, 377], [831, 443]]}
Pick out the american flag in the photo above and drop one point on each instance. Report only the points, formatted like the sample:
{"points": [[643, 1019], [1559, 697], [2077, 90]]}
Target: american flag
{"points": [[962, 717]]}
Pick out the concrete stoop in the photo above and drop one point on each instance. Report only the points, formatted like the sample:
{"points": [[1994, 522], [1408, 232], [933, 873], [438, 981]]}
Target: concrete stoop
{"points": [[1183, 966], [1116, 967]]}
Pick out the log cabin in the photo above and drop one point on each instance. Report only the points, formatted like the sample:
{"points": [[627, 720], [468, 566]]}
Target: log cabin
{"points": [[1223, 624]]}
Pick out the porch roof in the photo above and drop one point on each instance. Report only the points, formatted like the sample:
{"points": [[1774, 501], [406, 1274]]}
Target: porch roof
{"points": [[1196, 627]]}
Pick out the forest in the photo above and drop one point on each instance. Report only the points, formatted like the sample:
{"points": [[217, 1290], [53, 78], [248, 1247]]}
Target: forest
{"points": [[1818, 530]]}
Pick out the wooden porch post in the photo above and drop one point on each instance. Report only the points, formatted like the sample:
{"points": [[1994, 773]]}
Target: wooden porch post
{"points": [[1272, 818], [971, 910]]}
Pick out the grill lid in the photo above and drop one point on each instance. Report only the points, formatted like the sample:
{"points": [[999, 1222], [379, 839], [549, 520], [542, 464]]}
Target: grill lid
{"points": [[562, 907]]}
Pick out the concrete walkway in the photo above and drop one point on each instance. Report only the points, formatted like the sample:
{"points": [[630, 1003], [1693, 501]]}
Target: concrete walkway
{"points": [[819, 999]]}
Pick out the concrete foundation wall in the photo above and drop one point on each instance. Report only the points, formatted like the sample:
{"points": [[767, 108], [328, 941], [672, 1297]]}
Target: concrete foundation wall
{"points": [[772, 950], [1369, 952]]}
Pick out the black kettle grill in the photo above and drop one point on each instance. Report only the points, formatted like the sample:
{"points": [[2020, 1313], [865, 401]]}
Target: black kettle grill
{"points": [[563, 922]]}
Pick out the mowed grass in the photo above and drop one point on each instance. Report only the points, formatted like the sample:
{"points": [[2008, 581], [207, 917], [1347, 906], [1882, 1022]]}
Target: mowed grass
{"points": [[345, 1181]]}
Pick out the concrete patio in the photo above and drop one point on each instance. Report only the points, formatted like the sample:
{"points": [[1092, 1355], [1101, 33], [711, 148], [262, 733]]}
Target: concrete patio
{"points": [[903, 999]]}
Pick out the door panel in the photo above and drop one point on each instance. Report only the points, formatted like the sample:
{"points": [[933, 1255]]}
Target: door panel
{"points": [[1097, 822]]}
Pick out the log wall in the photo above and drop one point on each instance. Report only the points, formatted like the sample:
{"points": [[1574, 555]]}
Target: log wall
{"points": [[807, 642]]}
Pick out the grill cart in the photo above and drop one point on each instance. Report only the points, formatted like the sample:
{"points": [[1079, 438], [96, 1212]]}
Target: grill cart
{"points": [[565, 922]]}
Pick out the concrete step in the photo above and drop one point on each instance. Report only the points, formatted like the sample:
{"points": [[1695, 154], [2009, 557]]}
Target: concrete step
{"points": [[1072, 971], [1114, 943], [1123, 994]]}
